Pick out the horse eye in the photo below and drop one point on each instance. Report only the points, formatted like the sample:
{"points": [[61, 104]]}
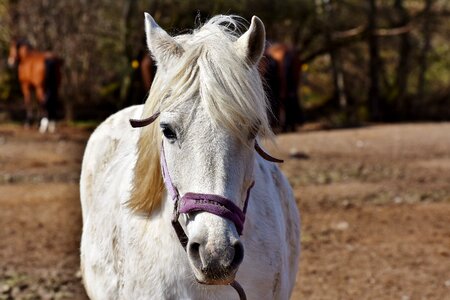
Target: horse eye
{"points": [[168, 132]]}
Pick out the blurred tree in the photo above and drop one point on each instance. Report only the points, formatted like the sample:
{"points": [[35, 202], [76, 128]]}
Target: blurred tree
{"points": [[404, 50], [357, 56], [338, 77], [423, 61], [373, 97]]}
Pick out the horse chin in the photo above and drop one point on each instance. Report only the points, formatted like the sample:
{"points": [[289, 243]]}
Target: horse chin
{"points": [[214, 279]]}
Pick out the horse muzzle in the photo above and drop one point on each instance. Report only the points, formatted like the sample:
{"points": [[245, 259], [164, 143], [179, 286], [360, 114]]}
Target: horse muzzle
{"points": [[12, 63], [214, 262], [215, 251]]}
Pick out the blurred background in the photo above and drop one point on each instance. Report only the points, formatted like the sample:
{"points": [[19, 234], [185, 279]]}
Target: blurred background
{"points": [[360, 60], [374, 191]]}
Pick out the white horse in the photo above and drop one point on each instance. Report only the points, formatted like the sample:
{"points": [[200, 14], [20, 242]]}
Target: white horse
{"points": [[211, 108]]}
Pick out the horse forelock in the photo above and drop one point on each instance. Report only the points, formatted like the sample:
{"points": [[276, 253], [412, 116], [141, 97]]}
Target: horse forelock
{"points": [[209, 73]]}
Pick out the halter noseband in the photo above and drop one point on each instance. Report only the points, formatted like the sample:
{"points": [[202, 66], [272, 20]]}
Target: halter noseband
{"points": [[197, 202]]}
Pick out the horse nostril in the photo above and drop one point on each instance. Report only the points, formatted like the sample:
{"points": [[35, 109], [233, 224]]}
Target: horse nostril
{"points": [[194, 253], [238, 255]]}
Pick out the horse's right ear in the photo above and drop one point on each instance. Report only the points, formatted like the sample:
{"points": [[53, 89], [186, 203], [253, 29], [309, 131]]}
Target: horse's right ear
{"points": [[162, 46], [252, 43]]}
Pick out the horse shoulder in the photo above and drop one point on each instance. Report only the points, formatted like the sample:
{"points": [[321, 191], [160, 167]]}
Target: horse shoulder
{"points": [[104, 148], [270, 172], [25, 71], [39, 69], [103, 182], [32, 69], [292, 221], [284, 202]]}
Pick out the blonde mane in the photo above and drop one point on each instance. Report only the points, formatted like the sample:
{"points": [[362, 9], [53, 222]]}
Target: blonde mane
{"points": [[210, 73]]}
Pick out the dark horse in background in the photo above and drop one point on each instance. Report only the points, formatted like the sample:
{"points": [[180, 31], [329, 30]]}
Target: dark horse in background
{"points": [[281, 71], [39, 72], [148, 71], [141, 78]]}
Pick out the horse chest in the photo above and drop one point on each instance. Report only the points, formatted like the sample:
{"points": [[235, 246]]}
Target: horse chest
{"points": [[32, 72]]}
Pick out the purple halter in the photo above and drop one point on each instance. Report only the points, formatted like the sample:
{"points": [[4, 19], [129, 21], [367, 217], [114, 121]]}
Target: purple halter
{"points": [[195, 202]]}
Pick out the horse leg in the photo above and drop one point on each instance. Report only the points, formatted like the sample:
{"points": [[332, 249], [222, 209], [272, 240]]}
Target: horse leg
{"points": [[51, 90], [43, 115], [25, 87]]}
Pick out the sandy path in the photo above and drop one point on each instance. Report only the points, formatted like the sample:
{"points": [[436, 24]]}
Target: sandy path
{"points": [[375, 206]]}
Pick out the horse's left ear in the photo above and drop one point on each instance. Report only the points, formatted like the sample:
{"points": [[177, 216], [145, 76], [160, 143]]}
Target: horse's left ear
{"points": [[252, 43]]}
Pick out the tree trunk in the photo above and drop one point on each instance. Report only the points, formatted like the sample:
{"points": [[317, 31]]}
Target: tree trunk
{"points": [[338, 77], [403, 54], [128, 12], [374, 101], [423, 63]]}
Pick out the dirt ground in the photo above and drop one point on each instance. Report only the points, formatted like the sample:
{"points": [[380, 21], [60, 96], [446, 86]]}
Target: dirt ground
{"points": [[375, 206]]}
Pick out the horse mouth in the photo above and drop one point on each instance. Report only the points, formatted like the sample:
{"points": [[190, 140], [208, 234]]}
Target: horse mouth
{"points": [[215, 280], [215, 266], [215, 275]]}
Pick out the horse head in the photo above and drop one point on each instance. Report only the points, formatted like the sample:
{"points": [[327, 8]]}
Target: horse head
{"points": [[18, 49], [212, 108]]}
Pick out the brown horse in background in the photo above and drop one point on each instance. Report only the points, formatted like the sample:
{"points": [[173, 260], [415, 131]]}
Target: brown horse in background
{"points": [[140, 78], [280, 69], [39, 72]]}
